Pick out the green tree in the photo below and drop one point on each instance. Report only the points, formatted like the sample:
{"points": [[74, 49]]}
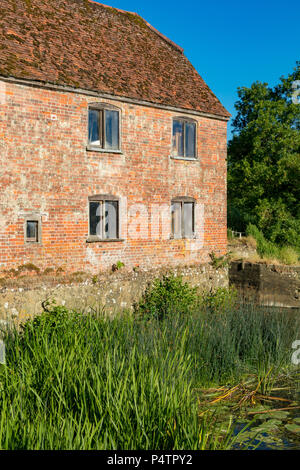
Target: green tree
{"points": [[264, 160]]}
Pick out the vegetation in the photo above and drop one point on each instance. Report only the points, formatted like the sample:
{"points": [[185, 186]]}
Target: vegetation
{"points": [[219, 262], [271, 251], [264, 164], [169, 295], [119, 265], [76, 381]]}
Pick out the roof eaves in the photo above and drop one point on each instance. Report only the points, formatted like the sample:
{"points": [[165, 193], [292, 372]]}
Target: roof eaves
{"points": [[96, 93]]}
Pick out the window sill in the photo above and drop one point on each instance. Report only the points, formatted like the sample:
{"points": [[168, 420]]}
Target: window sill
{"points": [[94, 148], [104, 240], [188, 159], [183, 238]]}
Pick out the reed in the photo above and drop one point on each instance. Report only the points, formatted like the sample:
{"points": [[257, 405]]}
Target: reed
{"points": [[75, 381]]}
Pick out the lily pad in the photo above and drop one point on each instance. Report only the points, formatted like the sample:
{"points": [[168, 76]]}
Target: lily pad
{"points": [[270, 425], [293, 428], [258, 408]]}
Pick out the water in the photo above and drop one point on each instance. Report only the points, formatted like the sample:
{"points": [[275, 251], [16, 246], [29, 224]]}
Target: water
{"points": [[279, 438]]}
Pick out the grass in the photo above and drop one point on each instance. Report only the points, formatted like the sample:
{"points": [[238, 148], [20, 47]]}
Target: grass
{"points": [[271, 252], [88, 382]]}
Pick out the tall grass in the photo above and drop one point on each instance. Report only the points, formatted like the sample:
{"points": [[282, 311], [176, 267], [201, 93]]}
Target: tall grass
{"points": [[271, 251], [87, 382]]}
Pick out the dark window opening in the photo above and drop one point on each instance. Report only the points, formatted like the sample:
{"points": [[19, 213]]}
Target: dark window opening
{"points": [[104, 219], [32, 231]]}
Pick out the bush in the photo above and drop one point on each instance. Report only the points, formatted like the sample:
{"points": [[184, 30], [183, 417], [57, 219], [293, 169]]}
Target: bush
{"points": [[52, 320], [288, 255], [264, 247], [220, 299], [165, 296]]}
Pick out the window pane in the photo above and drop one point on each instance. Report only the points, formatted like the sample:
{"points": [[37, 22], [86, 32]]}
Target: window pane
{"points": [[188, 219], [32, 230], [94, 131], [176, 219], [112, 129], [95, 218], [111, 219], [190, 139], [178, 129]]}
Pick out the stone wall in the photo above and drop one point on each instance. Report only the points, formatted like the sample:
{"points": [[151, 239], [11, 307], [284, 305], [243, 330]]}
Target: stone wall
{"points": [[111, 292], [273, 285]]}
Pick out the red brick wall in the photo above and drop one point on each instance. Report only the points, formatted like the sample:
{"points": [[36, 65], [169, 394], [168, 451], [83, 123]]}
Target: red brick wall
{"points": [[45, 168]]}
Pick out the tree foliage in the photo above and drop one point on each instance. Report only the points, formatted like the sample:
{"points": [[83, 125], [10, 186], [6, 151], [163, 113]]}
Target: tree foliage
{"points": [[264, 160]]}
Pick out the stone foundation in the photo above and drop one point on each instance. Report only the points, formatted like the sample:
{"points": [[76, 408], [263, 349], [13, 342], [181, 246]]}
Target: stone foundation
{"points": [[110, 292], [277, 286]]}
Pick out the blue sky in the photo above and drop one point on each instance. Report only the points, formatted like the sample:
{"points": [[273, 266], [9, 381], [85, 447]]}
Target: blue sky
{"points": [[230, 43]]}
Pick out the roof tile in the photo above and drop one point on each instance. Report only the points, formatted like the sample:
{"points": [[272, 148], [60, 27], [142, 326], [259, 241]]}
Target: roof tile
{"points": [[88, 45]]}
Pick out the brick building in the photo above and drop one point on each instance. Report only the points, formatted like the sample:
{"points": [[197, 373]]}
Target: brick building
{"points": [[113, 148]]}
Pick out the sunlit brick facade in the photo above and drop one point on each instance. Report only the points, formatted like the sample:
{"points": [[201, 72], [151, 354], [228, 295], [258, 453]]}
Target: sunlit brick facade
{"points": [[49, 174]]}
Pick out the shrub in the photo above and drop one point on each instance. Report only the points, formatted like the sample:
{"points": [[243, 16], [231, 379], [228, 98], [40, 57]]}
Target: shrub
{"points": [[116, 267], [166, 296], [52, 320], [220, 299], [219, 262], [288, 255], [264, 247]]}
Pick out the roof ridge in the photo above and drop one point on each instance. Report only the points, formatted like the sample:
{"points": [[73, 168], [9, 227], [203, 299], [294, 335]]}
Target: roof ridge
{"points": [[113, 8], [165, 38], [180, 49], [104, 41]]}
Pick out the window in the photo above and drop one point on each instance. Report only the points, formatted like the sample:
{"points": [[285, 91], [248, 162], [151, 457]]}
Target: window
{"points": [[103, 218], [183, 218], [184, 138], [104, 127], [32, 229]]}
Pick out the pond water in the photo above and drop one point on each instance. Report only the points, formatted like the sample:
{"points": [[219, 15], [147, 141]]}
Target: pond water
{"points": [[279, 430]]}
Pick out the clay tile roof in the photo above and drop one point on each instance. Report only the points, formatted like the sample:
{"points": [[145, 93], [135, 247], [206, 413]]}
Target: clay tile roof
{"points": [[87, 45]]}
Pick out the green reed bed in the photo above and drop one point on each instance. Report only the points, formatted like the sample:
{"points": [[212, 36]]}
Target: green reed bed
{"points": [[77, 381]]}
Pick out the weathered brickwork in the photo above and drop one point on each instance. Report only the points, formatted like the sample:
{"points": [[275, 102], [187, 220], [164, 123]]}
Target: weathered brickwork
{"points": [[84, 44], [47, 170]]}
